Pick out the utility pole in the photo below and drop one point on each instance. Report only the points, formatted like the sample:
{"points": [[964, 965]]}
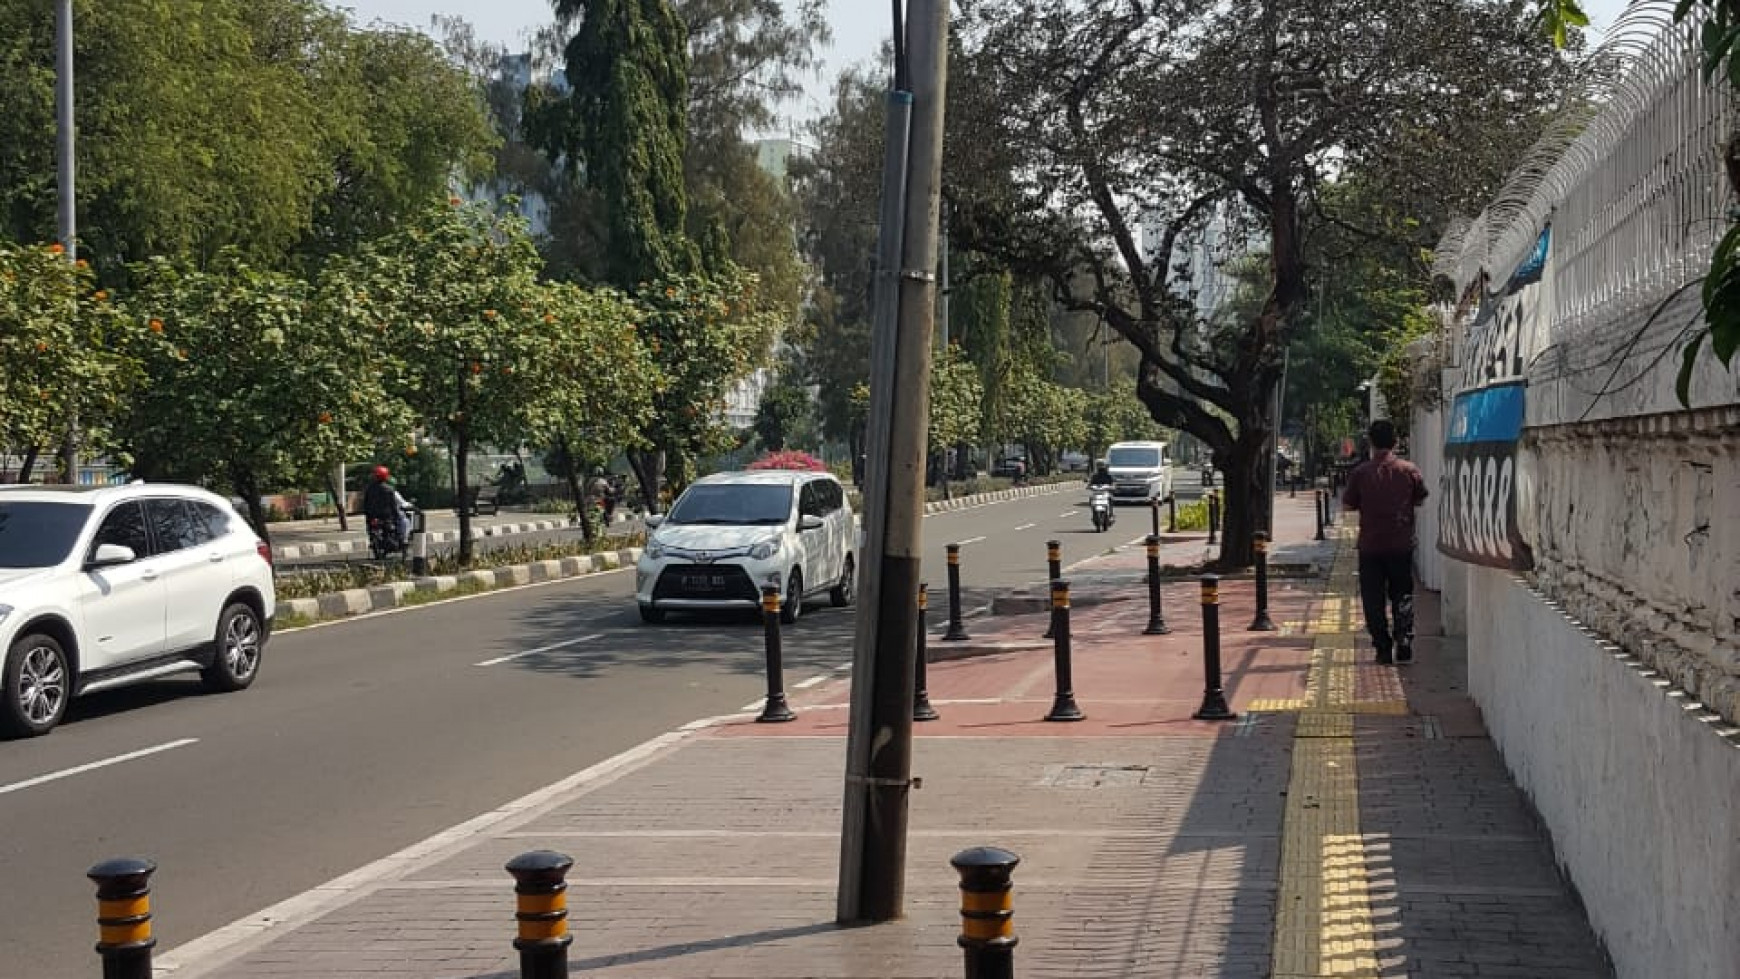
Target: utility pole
{"points": [[879, 740], [943, 297], [64, 174]]}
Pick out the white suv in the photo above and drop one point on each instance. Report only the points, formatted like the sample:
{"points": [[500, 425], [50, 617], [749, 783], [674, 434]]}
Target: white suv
{"points": [[104, 587], [732, 533]]}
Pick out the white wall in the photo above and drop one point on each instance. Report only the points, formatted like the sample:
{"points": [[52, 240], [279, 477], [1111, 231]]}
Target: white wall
{"points": [[1426, 450], [1641, 790]]}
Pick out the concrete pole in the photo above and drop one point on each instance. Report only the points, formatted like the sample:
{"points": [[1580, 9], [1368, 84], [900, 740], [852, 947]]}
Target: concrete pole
{"points": [[879, 745], [64, 175]]}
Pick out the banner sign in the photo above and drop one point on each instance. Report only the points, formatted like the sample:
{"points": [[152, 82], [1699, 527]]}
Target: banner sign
{"points": [[1477, 502]]}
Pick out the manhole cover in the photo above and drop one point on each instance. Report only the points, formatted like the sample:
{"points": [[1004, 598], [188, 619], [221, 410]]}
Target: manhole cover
{"points": [[1093, 776]]}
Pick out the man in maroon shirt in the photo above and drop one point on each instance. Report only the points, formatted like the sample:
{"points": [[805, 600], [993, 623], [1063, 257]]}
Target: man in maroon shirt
{"points": [[1385, 490]]}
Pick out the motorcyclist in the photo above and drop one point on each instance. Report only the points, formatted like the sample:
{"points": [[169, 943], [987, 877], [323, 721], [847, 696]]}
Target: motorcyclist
{"points": [[382, 502], [1102, 475]]}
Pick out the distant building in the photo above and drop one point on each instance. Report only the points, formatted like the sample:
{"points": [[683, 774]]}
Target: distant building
{"points": [[774, 155]]}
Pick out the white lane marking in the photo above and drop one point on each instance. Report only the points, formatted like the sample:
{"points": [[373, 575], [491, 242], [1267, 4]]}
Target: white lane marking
{"points": [[843, 667], [1026, 526], [970, 540], [753, 705], [812, 681], [1069, 513], [93, 766], [204, 956], [541, 649]]}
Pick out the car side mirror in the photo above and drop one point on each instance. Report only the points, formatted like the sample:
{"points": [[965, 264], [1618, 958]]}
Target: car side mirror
{"points": [[810, 521], [653, 520], [109, 555]]}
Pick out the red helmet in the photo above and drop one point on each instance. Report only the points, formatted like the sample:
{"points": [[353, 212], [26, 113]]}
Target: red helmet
{"points": [[382, 474]]}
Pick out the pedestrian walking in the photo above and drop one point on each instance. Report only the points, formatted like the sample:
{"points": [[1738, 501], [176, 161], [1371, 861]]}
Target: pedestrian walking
{"points": [[1385, 491]]}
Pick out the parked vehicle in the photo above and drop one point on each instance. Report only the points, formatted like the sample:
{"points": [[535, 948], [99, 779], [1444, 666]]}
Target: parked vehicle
{"points": [[102, 587], [1140, 471], [1100, 505], [731, 533]]}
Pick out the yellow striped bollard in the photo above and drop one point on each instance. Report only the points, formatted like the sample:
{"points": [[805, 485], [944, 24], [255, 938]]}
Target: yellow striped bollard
{"points": [[987, 911], [541, 907], [124, 916]]}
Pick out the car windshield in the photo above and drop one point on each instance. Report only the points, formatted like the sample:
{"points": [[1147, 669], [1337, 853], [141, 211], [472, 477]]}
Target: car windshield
{"points": [[734, 505], [1132, 458], [36, 534]]}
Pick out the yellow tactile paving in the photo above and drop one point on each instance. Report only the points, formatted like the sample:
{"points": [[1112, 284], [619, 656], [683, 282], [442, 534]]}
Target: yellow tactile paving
{"points": [[1323, 923]]}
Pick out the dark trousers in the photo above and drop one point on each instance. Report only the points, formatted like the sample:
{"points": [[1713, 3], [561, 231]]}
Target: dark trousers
{"points": [[1388, 578]]}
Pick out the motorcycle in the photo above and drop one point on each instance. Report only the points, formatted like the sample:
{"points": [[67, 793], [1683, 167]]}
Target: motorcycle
{"points": [[386, 541], [1100, 505]]}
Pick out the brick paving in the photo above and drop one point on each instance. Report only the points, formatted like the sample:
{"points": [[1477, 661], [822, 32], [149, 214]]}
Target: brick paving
{"points": [[1152, 845]]}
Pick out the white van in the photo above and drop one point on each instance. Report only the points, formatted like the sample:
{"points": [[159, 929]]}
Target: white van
{"points": [[1140, 471]]}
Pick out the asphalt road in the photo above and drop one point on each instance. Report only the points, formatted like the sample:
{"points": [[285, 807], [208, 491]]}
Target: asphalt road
{"points": [[363, 737]]}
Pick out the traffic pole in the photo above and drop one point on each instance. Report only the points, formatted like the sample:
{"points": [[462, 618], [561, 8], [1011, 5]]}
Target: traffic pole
{"points": [[1214, 707], [1156, 615], [921, 708], [1172, 512], [1213, 515], [775, 710], [124, 938], [1317, 501], [1154, 514], [956, 630], [1063, 705], [1262, 623], [541, 908], [987, 911]]}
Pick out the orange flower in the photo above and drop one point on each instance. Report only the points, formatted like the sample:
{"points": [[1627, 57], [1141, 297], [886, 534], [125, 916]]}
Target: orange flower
{"points": [[549, 317], [476, 368], [670, 293], [454, 201], [489, 314], [41, 346], [101, 295], [326, 418], [57, 249], [81, 265], [156, 326]]}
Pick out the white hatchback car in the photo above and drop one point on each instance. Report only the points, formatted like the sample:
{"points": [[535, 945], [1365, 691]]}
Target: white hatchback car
{"points": [[731, 533], [110, 586]]}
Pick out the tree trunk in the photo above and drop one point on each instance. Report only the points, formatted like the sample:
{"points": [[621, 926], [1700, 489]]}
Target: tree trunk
{"points": [[648, 466], [1245, 500], [571, 472], [29, 463], [338, 500], [248, 488]]}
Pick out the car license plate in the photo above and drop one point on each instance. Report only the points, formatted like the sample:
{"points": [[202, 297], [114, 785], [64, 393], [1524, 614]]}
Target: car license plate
{"points": [[704, 582]]}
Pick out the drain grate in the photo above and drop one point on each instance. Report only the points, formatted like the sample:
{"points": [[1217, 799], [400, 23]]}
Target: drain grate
{"points": [[1093, 776]]}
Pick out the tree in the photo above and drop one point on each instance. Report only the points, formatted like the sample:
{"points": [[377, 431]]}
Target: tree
{"points": [[69, 351], [592, 383], [254, 378], [783, 417], [955, 393], [626, 130], [456, 299], [1114, 415], [1076, 127]]}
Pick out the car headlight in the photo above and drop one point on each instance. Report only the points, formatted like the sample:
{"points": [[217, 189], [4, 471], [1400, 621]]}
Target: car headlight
{"points": [[655, 550], [765, 549]]}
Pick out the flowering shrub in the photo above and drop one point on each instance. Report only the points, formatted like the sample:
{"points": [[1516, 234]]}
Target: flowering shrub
{"points": [[789, 459]]}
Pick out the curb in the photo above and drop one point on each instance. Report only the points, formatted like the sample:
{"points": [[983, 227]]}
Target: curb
{"points": [[997, 496], [360, 601], [323, 548]]}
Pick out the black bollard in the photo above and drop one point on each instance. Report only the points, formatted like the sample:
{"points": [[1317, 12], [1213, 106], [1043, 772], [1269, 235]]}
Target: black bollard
{"points": [[1154, 514], [541, 908], [1172, 512], [1214, 706], [1053, 571], [956, 631], [775, 710], [1213, 516], [1156, 615], [1262, 623], [1063, 706], [1318, 503], [987, 911], [124, 917], [921, 708], [1329, 508]]}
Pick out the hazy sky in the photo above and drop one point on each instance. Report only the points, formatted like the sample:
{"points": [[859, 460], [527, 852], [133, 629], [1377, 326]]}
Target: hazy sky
{"points": [[860, 27]]}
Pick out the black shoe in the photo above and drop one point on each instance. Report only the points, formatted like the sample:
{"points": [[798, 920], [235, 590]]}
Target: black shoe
{"points": [[1383, 657], [1405, 652]]}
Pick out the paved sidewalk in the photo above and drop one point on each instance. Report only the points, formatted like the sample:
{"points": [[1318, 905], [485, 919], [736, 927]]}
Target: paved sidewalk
{"points": [[1355, 821]]}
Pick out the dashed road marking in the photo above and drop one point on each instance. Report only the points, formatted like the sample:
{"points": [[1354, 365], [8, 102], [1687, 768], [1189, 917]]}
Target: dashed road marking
{"points": [[812, 681], [93, 766], [541, 649], [1026, 526]]}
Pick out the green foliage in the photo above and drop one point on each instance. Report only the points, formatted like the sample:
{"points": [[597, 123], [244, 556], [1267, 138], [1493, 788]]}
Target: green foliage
{"points": [[1114, 415], [783, 417], [67, 349], [627, 125], [254, 379], [592, 380], [955, 394], [1559, 17], [267, 126]]}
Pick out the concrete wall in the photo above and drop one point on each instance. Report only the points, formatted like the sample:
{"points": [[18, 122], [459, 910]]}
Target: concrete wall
{"points": [[1639, 786]]}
